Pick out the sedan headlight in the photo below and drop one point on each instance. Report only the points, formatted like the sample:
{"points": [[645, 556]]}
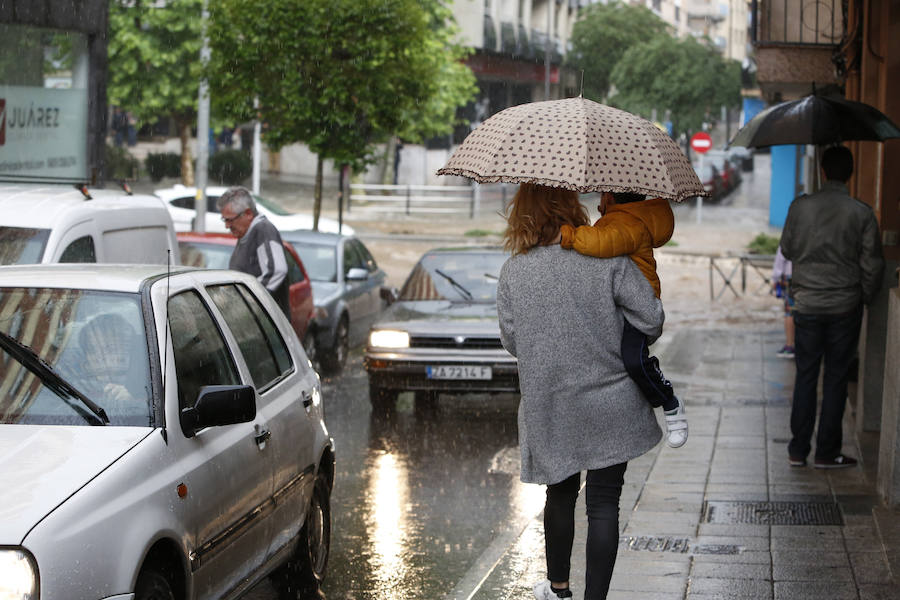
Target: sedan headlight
{"points": [[388, 338], [18, 575]]}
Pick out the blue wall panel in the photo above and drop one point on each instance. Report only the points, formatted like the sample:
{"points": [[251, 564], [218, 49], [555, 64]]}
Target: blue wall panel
{"points": [[784, 183]]}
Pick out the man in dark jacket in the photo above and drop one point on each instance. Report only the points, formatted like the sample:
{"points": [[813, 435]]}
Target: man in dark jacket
{"points": [[833, 241], [259, 250]]}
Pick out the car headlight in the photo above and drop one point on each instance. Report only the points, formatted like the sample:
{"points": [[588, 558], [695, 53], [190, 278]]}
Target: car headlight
{"points": [[18, 575], [388, 338]]}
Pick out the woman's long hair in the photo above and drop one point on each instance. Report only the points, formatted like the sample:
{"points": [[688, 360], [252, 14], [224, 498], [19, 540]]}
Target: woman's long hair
{"points": [[536, 213]]}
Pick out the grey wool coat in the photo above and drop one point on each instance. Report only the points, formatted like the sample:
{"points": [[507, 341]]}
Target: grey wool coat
{"points": [[561, 314]]}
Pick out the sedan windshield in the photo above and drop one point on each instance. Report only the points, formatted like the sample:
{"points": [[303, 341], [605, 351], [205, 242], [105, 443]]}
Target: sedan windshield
{"points": [[320, 261], [22, 245], [94, 341], [455, 276]]}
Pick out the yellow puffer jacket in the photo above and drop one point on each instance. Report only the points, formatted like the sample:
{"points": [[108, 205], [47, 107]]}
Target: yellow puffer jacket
{"points": [[634, 229]]}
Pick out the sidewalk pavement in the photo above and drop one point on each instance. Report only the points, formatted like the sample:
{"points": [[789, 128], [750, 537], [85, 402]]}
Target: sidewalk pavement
{"points": [[725, 516]]}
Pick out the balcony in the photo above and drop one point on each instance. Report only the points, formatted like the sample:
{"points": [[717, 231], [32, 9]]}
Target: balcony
{"points": [[798, 23], [795, 41]]}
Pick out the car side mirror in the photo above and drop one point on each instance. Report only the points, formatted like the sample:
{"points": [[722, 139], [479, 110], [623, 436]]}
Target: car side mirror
{"points": [[389, 294], [219, 405], [357, 274]]}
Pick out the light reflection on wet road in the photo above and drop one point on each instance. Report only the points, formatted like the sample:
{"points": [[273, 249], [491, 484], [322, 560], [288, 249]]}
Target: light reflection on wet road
{"points": [[420, 493]]}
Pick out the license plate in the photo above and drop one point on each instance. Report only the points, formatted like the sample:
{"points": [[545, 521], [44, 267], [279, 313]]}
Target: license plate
{"points": [[458, 372]]}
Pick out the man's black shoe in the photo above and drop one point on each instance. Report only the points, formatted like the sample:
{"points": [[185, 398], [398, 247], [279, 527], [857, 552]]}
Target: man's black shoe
{"points": [[838, 462], [797, 461]]}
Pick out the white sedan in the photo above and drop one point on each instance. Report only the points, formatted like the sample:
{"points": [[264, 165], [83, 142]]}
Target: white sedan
{"points": [[180, 202], [162, 436]]}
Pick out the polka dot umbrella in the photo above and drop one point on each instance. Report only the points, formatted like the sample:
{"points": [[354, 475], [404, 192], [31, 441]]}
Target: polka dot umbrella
{"points": [[579, 145]]}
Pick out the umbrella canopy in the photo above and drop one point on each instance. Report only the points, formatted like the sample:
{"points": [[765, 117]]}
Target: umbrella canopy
{"points": [[579, 145], [816, 120]]}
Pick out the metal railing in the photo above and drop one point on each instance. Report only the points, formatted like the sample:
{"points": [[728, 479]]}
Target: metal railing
{"points": [[728, 267], [413, 199], [798, 22]]}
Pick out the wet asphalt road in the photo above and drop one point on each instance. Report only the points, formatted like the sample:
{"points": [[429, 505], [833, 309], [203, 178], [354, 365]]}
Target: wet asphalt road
{"points": [[420, 493]]}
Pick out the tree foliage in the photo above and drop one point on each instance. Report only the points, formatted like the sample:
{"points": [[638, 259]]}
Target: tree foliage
{"points": [[339, 75], [602, 35], [687, 77], [154, 63]]}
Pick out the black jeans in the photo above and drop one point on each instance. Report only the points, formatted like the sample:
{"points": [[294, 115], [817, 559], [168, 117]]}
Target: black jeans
{"points": [[602, 492], [644, 369], [834, 338]]}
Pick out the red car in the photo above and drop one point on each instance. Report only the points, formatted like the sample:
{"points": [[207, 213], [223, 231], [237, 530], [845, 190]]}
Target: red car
{"points": [[213, 251]]}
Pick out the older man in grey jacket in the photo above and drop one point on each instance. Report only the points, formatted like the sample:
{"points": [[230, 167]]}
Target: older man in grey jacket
{"points": [[833, 241]]}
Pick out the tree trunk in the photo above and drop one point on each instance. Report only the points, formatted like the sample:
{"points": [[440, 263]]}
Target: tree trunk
{"points": [[187, 160], [317, 193]]}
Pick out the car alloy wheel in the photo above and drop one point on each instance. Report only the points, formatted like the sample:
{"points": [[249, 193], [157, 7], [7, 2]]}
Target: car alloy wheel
{"points": [[333, 362], [302, 575], [152, 585], [309, 345]]}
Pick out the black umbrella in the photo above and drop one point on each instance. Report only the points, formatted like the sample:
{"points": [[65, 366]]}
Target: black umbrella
{"points": [[816, 120]]}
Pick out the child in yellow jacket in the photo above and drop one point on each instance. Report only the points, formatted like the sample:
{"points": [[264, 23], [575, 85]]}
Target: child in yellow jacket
{"points": [[633, 226]]}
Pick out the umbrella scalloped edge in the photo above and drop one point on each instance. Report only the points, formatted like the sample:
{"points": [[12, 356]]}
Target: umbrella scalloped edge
{"points": [[562, 184]]}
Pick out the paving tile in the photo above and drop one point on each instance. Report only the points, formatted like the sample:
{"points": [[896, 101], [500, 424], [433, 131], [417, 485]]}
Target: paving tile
{"points": [[812, 590], [828, 544], [652, 563], [761, 572], [787, 571], [750, 557], [740, 441], [733, 530], [870, 567], [879, 591], [728, 588], [819, 558], [648, 583], [625, 595], [814, 531]]}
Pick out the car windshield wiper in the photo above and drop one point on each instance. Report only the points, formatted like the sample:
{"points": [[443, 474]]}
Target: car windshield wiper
{"points": [[492, 276], [456, 285], [53, 380]]}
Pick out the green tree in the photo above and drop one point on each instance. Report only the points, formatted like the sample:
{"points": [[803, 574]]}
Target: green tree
{"points": [[602, 35], [154, 64], [339, 75], [689, 78]]}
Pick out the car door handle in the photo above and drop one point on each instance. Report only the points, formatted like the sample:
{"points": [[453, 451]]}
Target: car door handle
{"points": [[262, 437], [307, 399]]}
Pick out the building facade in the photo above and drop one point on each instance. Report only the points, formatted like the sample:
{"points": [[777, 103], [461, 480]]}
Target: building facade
{"points": [[852, 48]]}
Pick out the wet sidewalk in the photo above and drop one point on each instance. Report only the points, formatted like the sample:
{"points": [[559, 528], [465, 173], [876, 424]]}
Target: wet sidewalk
{"points": [[725, 516]]}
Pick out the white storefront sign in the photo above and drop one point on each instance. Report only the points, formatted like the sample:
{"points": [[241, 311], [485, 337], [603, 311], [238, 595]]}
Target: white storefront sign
{"points": [[43, 134]]}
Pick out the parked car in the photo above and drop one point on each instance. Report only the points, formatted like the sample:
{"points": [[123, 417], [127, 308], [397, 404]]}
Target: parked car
{"points": [[728, 166], [348, 288], [711, 179], [213, 251], [180, 201], [42, 223], [161, 435], [442, 335]]}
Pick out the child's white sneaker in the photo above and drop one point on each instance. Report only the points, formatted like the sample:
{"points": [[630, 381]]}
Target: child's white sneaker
{"points": [[676, 426]]}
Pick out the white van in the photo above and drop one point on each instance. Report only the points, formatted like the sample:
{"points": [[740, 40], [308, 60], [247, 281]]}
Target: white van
{"points": [[57, 224]]}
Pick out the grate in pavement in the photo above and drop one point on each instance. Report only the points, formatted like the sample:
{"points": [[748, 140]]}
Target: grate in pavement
{"points": [[655, 544], [772, 513], [674, 545]]}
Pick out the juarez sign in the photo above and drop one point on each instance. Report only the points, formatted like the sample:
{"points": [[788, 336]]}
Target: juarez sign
{"points": [[43, 134]]}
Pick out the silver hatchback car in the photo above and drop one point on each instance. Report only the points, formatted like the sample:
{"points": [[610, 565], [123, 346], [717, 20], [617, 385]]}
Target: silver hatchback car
{"points": [[161, 436], [442, 335]]}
